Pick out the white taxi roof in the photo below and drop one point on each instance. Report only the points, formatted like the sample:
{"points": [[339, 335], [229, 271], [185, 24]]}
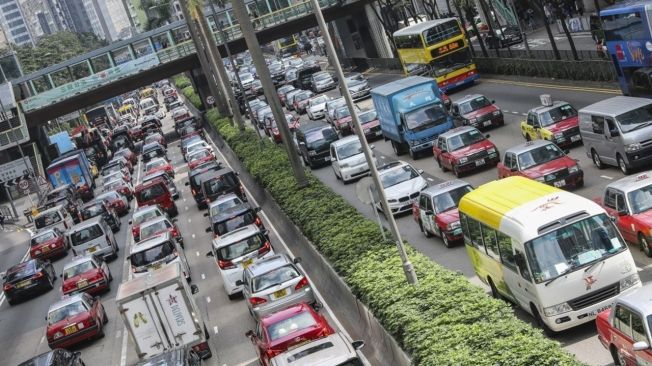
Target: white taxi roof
{"points": [[632, 182]]}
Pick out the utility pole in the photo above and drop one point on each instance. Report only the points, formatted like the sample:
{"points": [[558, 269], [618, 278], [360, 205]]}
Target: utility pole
{"points": [[407, 265], [249, 34]]}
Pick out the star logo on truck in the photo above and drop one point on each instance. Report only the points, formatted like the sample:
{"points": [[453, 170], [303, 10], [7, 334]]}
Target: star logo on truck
{"points": [[550, 203], [172, 300]]}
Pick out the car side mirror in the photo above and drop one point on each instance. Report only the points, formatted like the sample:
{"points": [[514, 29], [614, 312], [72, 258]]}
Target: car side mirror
{"points": [[210, 254], [249, 333], [208, 230], [486, 136], [297, 260], [194, 289], [357, 345], [566, 151], [187, 183], [640, 346], [493, 101], [175, 220], [205, 214], [239, 283]]}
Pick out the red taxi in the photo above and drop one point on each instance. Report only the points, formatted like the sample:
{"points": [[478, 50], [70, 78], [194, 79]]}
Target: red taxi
{"points": [[542, 161], [477, 111], [199, 157], [143, 214], [155, 137], [342, 118], [127, 154], [629, 200], [293, 123], [159, 164], [75, 319], [48, 244], [553, 121], [436, 211], [156, 192], [159, 225], [137, 133], [370, 124], [119, 202], [285, 329], [86, 274], [464, 149]]}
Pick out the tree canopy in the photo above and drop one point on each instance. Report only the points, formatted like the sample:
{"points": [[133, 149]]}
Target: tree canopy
{"points": [[55, 48]]}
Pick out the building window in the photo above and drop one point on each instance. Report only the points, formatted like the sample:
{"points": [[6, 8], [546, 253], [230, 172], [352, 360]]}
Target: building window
{"points": [[13, 15], [18, 31], [15, 23], [9, 8], [22, 39]]}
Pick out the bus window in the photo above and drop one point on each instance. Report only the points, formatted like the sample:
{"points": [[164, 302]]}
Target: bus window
{"points": [[623, 27], [475, 235], [506, 252], [489, 238]]}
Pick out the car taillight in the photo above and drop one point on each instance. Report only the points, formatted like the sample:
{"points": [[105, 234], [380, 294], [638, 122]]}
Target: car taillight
{"points": [[301, 284], [258, 222], [194, 193], [271, 352], [257, 301], [53, 245], [7, 287], [38, 275], [265, 249], [225, 264]]}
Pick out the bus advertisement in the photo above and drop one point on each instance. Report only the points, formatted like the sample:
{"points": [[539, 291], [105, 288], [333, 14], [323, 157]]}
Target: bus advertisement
{"points": [[437, 48], [628, 37], [555, 254]]}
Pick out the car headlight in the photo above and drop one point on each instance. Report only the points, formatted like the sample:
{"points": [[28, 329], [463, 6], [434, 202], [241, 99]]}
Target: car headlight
{"points": [[312, 153], [497, 113], [540, 179], [58, 335], [557, 309], [491, 150], [463, 160], [345, 165], [574, 169], [629, 281], [633, 147]]}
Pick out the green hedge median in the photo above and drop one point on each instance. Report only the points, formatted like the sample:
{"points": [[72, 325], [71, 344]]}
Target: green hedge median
{"points": [[184, 84], [445, 320]]}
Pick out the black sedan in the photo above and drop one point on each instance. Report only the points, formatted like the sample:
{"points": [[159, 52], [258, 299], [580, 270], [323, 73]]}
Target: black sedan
{"points": [[506, 36], [56, 357], [28, 278]]}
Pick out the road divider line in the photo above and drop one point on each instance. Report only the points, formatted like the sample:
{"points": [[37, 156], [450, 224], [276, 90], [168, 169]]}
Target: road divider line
{"points": [[553, 86], [208, 299], [606, 177], [215, 330], [203, 276], [2, 295]]}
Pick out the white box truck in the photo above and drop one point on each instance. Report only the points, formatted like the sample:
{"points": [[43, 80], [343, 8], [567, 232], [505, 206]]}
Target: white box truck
{"points": [[160, 313]]}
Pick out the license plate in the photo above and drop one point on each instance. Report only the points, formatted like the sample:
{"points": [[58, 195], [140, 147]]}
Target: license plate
{"points": [[457, 231], [378, 133], [91, 249], [598, 311], [70, 329], [82, 284], [46, 248], [576, 138], [479, 162], [560, 183], [247, 262], [486, 123], [366, 131], [24, 283], [280, 293]]}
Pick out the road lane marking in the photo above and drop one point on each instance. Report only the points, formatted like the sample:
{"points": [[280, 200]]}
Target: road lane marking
{"points": [[215, 329], [606, 177], [193, 236], [186, 208], [430, 179], [208, 299], [118, 333], [197, 254], [189, 220], [552, 86], [203, 276]]}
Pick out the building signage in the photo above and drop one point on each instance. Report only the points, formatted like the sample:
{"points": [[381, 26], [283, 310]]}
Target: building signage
{"points": [[15, 169]]}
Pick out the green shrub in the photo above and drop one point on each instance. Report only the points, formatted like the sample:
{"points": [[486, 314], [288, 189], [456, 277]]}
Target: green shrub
{"points": [[445, 320], [184, 84], [181, 81]]}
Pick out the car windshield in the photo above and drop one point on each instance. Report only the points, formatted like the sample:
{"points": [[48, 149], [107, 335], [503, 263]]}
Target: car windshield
{"points": [[285, 89], [240, 248], [474, 104], [143, 258], [42, 238], [425, 117], [399, 175], [557, 114], [572, 246], [539, 155], [219, 184], [302, 96], [274, 277], [110, 169], [635, 118], [78, 269], [349, 149], [467, 138], [145, 216], [151, 193], [21, 271], [319, 137], [109, 196], [319, 77], [47, 219], [449, 200], [92, 210], [640, 200], [155, 164], [367, 117], [233, 223], [291, 325], [198, 155], [153, 153], [67, 311], [342, 112], [86, 234], [319, 100], [225, 205]]}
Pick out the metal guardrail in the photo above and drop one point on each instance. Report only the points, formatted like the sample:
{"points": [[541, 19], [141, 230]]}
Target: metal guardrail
{"points": [[175, 52]]}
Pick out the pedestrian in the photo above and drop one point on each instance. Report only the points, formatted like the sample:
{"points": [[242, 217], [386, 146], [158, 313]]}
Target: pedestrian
{"points": [[2, 221], [308, 48]]}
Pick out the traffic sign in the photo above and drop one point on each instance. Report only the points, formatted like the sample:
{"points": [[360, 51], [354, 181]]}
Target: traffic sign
{"points": [[210, 100], [23, 184], [41, 181]]}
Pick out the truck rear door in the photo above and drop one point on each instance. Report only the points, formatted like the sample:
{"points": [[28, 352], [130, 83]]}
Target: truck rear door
{"points": [[147, 332], [175, 310]]}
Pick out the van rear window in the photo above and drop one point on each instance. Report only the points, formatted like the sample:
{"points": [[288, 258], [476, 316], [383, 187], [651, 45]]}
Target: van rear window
{"points": [[47, 219], [221, 184], [151, 193], [234, 223], [85, 235], [243, 247]]}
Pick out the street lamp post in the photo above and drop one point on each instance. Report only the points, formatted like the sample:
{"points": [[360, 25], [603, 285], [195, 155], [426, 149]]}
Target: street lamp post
{"points": [[407, 265]]}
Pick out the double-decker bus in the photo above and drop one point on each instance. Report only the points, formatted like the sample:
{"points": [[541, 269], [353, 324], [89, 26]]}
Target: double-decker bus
{"points": [[437, 48], [628, 37], [555, 254], [288, 46]]}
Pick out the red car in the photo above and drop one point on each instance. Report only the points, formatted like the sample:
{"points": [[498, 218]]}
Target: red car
{"points": [[136, 133], [199, 157], [75, 319], [278, 332], [554, 121], [86, 274], [156, 192], [159, 225], [542, 161], [47, 244], [301, 101], [342, 118], [142, 215], [282, 93], [464, 149], [293, 123], [118, 201], [370, 124], [477, 111], [436, 211], [155, 137], [127, 154], [159, 164]]}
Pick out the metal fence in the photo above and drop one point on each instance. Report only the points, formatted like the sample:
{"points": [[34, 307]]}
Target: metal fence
{"points": [[566, 55]]}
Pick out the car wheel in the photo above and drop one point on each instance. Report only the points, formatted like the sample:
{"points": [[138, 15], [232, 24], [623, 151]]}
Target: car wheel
{"points": [[105, 319], [494, 291], [425, 232], [233, 296], [110, 276], [622, 165], [596, 160], [441, 166], [398, 151], [456, 171], [50, 284], [645, 246], [616, 356], [10, 301], [537, 318]]}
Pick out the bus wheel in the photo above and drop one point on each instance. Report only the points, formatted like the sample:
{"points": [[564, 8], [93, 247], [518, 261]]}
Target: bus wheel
{"points": [[537, 318], [494, 290], [645, 246]]}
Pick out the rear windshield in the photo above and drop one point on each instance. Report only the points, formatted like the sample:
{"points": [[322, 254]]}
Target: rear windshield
{"points": [[225, 205], [85, 235], [92, 211], [151, 193], [233, 223], [291, 325], [40, 239], [243, 247], [20, 272], [154, 153], [47, 219], [67, 311], [146, 216], [164, 251], [78, 269], [153, 229], [224, 183], [274, 277]]}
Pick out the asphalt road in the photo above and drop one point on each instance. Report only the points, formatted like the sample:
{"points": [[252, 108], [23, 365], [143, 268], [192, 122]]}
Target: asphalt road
{"points": [[22, 326], [515, 99], [539, 40]]}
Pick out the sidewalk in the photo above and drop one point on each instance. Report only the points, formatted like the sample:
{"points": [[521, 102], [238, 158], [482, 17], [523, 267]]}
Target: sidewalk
{"points": [[21, 205]]}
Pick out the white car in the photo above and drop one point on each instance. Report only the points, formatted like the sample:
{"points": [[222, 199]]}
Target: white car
{"points": [[348, 160], [237, 250], [317, 106], [160, 114], [402, 184], [196, 146], [152, 254]]}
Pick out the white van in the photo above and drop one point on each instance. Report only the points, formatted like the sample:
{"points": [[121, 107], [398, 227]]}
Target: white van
{"points": [[93, 236], [155, 253], [148, 106], [56, 216]]}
